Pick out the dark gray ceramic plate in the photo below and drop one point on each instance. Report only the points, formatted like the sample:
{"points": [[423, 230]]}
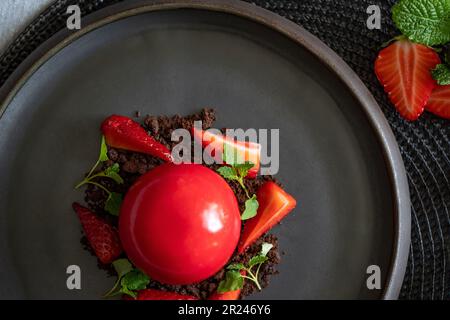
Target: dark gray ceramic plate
{"points": [[338, 156]]}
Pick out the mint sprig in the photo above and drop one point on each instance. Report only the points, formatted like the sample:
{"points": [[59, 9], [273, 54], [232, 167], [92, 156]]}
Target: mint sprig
{"points": [[238, 172], [133, 281], [129, 279], [234, 280], [114, 200], [423, 21]]}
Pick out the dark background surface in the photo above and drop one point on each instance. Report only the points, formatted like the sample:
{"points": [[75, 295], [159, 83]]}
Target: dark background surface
{"points": [[424, 144]]}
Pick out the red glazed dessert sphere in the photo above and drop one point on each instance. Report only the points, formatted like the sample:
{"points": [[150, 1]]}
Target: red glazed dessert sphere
{"points": [[180, 224]]}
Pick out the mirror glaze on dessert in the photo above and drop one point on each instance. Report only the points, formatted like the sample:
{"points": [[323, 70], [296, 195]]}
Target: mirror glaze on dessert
{"points": [[180, 224]]}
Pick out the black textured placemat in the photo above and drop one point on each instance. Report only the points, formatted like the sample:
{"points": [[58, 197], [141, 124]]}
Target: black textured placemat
{"points": [[424, 144]]}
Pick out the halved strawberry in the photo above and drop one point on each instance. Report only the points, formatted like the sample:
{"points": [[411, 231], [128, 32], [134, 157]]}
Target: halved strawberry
{"points": [[403, 68], [274, 205], [103, 238], [439, 102], [244, 151], [124, 133], [152, 294]]}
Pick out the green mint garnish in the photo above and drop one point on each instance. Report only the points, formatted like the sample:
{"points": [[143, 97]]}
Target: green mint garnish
{"points": [[133, 281], [238, 172], [113, 173], [251, 208], [103, 151], [129, 279], [423, 21], [234, 280], [441, 74], [114, 200], [265, 248], [113, 203]]}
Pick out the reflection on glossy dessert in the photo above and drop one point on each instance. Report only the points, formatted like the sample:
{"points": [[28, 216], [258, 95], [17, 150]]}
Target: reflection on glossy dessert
{"points": [[180, 224]]}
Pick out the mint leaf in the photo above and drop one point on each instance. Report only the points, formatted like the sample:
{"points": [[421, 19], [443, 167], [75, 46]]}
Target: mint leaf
{"points": [[228, 173], [122, 267], [115, 168], [128, 292], [238, 172], [128, 278], [262, 257], [233, 281], [113, 173], [231, 156], [233, 278], [244, 168], [423, 21], [257, 260], [135, 280], [441, 74], [265, 248], [236, 266], [102, 157], [251, 208], [103, 151], [113, 203]]}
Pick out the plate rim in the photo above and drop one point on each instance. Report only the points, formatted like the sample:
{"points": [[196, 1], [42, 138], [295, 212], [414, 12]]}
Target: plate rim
{"points": [[299, 35]]}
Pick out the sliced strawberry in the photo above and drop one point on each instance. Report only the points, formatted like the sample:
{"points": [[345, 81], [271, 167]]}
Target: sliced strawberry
{"points": [[103, 238], [403, 68], [243, 150], [439, 102], [124, 133], [274, 205], [152, 294]]}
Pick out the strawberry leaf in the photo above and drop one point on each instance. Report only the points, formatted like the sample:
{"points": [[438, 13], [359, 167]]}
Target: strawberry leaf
{"points": [[423, 21]]}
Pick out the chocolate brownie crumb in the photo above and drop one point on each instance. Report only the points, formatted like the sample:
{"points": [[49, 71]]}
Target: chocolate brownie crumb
{"points": [[161, 127]]}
